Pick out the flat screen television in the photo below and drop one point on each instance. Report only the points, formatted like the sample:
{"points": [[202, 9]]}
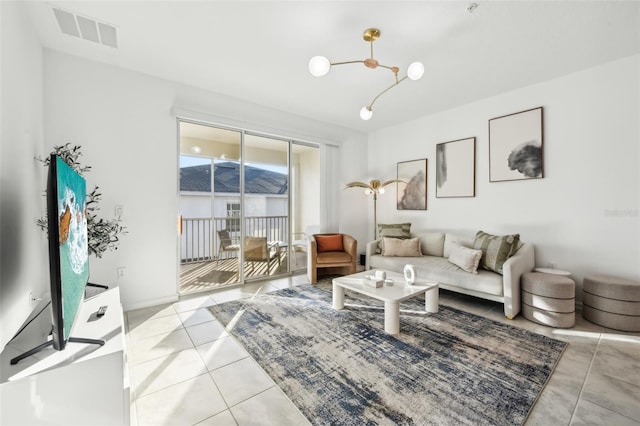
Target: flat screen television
{"points": [[68, 252], [68, 246]]}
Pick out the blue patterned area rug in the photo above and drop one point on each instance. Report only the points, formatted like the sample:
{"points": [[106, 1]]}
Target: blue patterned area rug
{"points": [[341, 368]]}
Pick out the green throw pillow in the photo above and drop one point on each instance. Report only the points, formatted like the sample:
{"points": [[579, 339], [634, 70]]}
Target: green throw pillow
{"points": [[393, 230], [496, 249]]}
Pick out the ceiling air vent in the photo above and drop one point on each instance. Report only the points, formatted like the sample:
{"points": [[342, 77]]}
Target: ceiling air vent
{"points": [[87, 28]]}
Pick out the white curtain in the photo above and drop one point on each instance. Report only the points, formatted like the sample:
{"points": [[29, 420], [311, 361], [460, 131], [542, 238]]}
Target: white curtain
{"points": [[329, 194]]}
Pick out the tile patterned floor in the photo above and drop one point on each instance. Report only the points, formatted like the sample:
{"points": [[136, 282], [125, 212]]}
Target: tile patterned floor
{"points": [[187, 370]]}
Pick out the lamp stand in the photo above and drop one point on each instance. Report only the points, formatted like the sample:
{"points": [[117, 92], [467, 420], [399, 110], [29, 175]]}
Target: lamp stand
{"points": [[375, 214]]}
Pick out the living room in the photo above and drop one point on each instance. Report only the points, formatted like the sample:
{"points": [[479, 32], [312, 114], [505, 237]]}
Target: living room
{"points": [[582, 216]]}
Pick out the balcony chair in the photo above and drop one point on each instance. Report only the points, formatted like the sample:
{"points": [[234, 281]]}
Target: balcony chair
{"points": [[257, 249], [337, 251], [226, 244]]}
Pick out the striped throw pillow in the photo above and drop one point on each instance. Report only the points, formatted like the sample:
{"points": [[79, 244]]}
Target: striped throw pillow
{"points": [[496, 249], [393, 230]]}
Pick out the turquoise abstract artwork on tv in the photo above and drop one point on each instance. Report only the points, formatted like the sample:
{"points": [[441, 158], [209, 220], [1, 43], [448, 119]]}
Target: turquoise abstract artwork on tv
{"points": [[74, 249]]}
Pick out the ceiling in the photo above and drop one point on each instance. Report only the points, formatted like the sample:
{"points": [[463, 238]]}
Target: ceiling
{"points": [[258, 51]]}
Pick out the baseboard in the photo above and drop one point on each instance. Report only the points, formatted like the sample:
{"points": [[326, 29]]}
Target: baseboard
{"points": [[148, 303]]}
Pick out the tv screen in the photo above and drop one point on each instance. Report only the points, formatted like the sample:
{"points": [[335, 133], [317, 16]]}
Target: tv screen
{"points": [[68, 246]]}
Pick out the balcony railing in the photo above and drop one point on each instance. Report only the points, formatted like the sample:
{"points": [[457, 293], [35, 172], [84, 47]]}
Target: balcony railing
{"points": [[200, 241]]}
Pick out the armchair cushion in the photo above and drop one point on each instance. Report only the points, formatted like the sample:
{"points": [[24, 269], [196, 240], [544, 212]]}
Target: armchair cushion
{"points": [[333, 257], [328, 243]]}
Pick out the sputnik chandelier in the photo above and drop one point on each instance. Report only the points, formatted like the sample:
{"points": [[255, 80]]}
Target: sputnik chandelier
{"points": [[319, 66]]}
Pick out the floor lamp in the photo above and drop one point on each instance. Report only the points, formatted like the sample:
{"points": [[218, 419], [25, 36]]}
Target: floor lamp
{"points": [[374, 187]]}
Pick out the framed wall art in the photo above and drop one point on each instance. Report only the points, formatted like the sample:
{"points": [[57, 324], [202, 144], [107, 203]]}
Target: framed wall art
{"points": [[456, 168], [515, 146], [412, 191]]}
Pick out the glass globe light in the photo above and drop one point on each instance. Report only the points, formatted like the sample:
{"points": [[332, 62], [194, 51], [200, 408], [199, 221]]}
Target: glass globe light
{"points": [[367, 191], [319, 66], [415, 71], [366, 113], [381, 191]]}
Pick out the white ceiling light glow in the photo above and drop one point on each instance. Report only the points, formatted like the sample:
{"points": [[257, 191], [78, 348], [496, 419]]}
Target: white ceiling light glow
{"points": [[319, 66]]}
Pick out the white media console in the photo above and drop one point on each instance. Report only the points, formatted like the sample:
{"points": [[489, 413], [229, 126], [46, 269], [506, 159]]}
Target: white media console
{"points": [[85, 384]]}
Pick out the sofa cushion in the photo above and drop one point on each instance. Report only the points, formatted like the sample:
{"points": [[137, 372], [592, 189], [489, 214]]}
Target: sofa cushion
{"points": [[399, 247], [329, 243], [466, 258], [450, 239], [393, 230], [496, 249], [441, 270], [431, 243]]}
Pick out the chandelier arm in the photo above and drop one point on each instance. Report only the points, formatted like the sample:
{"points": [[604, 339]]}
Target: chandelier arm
{"points": [[386, 90], [387, 67], [347, 62]]}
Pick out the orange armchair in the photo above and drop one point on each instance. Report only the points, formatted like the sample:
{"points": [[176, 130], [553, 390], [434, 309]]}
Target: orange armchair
{"points": [[331, 251]]}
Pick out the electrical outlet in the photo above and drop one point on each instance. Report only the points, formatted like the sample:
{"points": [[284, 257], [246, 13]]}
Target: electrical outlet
{"points": [[121, 272], [33, 301], [119, 211]]}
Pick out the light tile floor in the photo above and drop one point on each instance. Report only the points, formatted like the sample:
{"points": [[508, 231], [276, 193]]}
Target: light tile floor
{"points": [[187, 370]]}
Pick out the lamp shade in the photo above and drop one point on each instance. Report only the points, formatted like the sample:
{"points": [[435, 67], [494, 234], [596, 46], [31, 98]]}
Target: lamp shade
{"points": [[415, 71], [319, 66], [366, 113]]}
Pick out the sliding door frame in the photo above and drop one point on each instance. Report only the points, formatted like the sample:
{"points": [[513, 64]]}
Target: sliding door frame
{"points": [[243, 133]]}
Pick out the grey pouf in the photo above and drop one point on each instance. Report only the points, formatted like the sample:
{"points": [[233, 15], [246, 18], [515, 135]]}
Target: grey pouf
{"points": [[549, 299], [612, 302]]}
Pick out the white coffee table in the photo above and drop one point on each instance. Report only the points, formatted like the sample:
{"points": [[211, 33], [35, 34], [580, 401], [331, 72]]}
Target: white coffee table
{"points": [[391, 295]]}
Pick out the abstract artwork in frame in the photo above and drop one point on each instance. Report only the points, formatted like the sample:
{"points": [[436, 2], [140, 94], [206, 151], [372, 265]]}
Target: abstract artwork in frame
{"points": [[515, 146], [412, 191], [456, 168]]}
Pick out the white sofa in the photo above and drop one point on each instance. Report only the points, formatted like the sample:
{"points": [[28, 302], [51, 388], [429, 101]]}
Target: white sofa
{"points": [[434, 265]]}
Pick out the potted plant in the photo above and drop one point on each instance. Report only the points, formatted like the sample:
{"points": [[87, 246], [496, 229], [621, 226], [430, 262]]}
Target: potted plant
{"points": [[103, 234]]}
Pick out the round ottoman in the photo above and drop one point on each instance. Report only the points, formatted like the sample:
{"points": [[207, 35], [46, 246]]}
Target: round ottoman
{"points": [[549, 299], [612, 302]]}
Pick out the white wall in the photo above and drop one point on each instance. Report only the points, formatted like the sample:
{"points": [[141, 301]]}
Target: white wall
{"points": [[23, 247], [584, 214], [356, 212], [125, 124]]}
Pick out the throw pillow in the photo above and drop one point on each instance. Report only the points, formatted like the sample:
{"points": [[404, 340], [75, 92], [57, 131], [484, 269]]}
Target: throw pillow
{"points": [[466, 258], [460, 239], [400, 247], [394, 230], [329, 242], [431, 243], [496, 249]]}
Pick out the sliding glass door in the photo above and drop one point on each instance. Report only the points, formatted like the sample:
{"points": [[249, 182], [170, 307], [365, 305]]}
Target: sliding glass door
{"points": [[245, 202], [266, 205], [210, 205]]}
